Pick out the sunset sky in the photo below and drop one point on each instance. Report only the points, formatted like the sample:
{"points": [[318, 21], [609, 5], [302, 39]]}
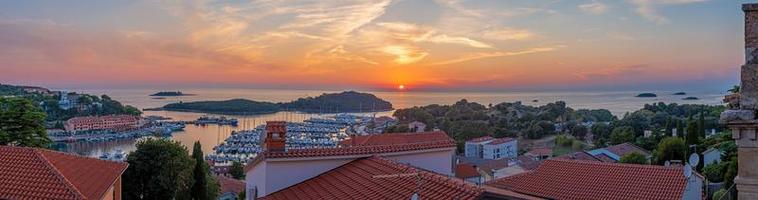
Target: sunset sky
{"points": [[338, 44]]}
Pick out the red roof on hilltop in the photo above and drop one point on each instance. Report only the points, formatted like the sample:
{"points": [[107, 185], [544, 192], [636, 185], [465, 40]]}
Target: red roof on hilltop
{"points": [[368, 145], [30, 173], [380, 178], [480, 139], [575, 179]]}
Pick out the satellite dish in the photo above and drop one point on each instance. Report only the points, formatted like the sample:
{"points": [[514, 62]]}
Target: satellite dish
{"points": [[687, 170], [414, 196], [667, 163], [694, 159]]}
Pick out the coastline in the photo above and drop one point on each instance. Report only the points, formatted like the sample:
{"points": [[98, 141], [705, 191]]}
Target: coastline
{"points": [[308, 111]]}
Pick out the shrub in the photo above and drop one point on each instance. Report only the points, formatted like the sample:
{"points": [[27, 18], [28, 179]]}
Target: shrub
{"points": [[715, 172]]}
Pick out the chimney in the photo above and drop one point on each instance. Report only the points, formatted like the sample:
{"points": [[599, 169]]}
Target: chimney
{"points": [[276, 136]]}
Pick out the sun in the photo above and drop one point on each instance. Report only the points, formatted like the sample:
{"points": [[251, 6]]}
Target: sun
{"points": [[401, 87]]}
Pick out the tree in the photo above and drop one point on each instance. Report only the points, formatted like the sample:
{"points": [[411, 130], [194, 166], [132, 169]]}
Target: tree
{"points": [[237, 171], [692, 133], [158, 169], [579, 131], [204, 186], [22, 123], [671, 148], [634, 158], [622, 134], [715, 172]]}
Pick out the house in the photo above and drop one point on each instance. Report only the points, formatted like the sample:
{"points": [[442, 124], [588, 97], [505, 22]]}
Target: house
{"points": [[579, 155], [229, 188], [468, 172], [417, 126], [578, 179], [710, 156], [540, 153], [615, 152], [110, 122], [32, 173], [500, 148], [277, 167], [521, 164], [474, 147], [377, 177], [491, 148]]}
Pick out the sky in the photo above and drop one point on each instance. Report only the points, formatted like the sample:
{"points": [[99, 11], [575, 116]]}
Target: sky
{"points": [[436, 45]]}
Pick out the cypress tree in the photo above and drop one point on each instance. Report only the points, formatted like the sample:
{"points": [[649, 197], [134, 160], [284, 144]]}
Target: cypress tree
{"points": [[204, 186]]}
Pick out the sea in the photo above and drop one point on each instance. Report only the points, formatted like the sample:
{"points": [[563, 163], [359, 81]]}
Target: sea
{"points": [[209, 136]]}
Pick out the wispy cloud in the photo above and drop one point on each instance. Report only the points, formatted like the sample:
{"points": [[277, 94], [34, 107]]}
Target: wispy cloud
{"points": [[594, 8], [648, 8], [476, 56]]}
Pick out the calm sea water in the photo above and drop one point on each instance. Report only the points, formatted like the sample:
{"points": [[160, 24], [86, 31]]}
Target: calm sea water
{"points": [[211, 135]]}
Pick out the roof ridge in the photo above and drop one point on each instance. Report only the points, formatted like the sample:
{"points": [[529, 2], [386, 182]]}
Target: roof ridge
{"points": [[456, 181], [611, 164], [82, 157], [57, 173]]}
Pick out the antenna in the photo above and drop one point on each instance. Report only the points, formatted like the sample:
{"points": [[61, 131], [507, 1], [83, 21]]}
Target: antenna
{"points": [[687, 170]]}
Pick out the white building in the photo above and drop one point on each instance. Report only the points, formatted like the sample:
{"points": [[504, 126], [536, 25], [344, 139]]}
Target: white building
{"points": [[474, 148], [500, 148], [417, 126]]}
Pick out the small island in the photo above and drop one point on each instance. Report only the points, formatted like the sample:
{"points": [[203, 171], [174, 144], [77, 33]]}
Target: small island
{"points": [[647, 95], [349, 101], [691, 98], [169, 94], [680, 93]]}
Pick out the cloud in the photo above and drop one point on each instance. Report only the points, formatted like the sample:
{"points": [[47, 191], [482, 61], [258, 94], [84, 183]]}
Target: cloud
{"points": [[594, 8], [405, 54], [476, 56], [508, 34], [648, 8]]}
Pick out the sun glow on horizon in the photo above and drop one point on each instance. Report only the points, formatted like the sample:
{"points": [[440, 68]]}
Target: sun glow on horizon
{"points": [[401, 87]]}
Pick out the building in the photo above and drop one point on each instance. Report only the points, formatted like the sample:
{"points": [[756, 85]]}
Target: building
{"points": [[577, 179], [615, 152], [229, 188], [540, 153], [357, 168], [710, 156], [378, 178], [68, 101], [417, 126], [491, 148], [474, 148], [31, 173], [111, 122], [469, 172], [500, 148], [36, 90]]}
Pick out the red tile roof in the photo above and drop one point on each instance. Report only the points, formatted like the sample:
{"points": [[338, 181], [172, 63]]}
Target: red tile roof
{"points": [[528, 162], [381, 178], [466, 170], [230, 185], [368, 145], [29, 173], [500, 141], [576, 179], [626, 148], [480, 139]]}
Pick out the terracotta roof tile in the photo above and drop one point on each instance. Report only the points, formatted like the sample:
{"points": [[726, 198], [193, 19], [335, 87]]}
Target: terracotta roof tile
{"points": [[480, 139], [626, 148], [29, 173], [576, 179], [230, 185], [381, 178], [465, 170], [500, 141]]}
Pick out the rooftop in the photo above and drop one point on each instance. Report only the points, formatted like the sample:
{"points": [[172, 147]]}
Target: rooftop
{"points": [[380, 178], [627, 148], [368, 146], [466, 170], [31, 173], [579, 155], [501, 141], [576, 179], [480, 139]]}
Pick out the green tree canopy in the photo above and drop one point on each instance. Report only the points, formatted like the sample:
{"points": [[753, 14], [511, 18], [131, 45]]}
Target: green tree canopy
{"points": [[237, 170], [634, 158], [622, 134], [22, 123], [158, 169], [671, 148], [204, 186]]}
